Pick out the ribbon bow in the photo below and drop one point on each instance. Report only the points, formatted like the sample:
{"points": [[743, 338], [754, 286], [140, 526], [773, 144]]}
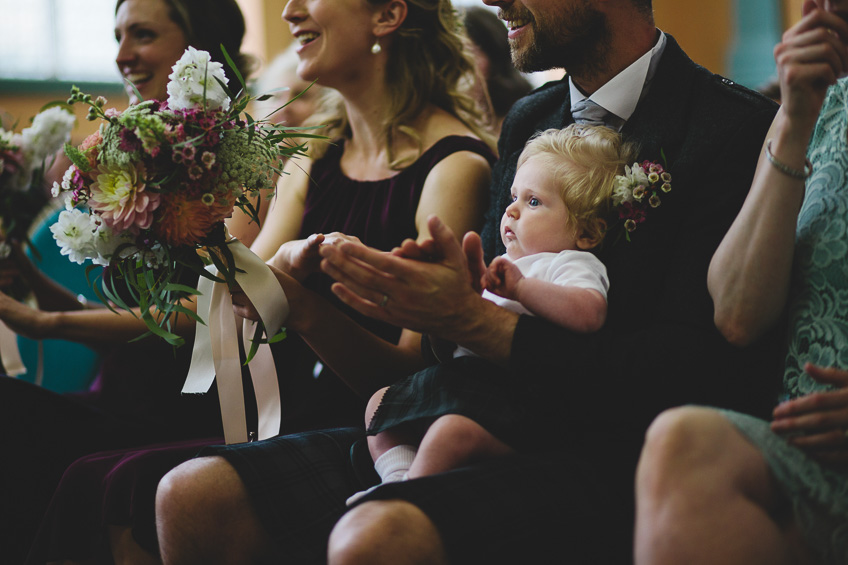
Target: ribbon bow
{"points": [[216, 356]]}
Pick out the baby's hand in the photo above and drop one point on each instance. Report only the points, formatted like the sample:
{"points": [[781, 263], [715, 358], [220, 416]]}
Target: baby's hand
{"points": [[503, 278]]}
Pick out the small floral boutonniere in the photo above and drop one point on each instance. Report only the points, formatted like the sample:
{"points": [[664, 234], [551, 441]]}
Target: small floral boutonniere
{"points": [[638, 190]]}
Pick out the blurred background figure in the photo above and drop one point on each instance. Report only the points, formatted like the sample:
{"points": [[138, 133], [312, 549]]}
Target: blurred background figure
{"points": [[504, 84]]}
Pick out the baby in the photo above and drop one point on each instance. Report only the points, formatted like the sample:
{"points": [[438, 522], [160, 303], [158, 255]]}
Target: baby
{"points": [[467, 409]]}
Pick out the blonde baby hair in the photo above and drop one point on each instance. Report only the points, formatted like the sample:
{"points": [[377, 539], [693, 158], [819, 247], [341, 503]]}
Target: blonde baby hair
{"points": [[585, 159]]}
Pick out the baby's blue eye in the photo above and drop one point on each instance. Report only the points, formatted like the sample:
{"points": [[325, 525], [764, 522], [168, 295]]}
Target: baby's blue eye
{"points": [[534, 201], [513, 197]]}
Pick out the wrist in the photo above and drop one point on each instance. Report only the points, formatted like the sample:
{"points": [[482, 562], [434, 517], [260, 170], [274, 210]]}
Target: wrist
{"points": [[483, 327], [789, 140], [518, 288]]}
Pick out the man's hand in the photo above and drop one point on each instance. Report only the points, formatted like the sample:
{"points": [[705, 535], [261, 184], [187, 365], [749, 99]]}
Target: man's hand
{"points": [[433, 296]]}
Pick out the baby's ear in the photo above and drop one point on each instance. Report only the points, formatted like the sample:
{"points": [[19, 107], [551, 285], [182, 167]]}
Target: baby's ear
{"points": [[592, 234]]}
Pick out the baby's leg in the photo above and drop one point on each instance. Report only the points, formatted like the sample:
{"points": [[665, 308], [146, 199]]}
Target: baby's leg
{"points": [[382, 442], [453, 441], [392, 450]]}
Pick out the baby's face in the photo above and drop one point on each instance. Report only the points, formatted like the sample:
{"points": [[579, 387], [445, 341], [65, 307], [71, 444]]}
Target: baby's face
{"points": [[537, 219]]}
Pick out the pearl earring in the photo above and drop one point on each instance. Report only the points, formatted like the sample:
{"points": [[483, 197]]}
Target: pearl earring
{"points": [[375, 49]]}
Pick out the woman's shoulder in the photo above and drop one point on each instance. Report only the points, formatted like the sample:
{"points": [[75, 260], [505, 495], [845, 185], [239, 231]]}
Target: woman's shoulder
{"points": [[451, 144], [443, 130]]}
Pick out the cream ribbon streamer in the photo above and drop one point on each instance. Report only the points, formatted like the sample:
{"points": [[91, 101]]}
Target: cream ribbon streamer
{"points": [[9, 352], [216, 354]]}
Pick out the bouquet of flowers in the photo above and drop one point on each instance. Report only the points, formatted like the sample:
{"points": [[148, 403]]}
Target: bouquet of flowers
{"points": [[23, 159], [637, 191], [157, 182]]}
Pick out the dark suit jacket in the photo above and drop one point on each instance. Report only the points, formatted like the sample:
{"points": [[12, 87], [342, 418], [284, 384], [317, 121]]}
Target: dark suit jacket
{"points": [[659, 347]]}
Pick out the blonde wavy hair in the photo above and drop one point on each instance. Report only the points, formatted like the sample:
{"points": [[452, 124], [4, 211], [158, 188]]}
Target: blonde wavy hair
{"points": [[428, 63], [585, 160]]}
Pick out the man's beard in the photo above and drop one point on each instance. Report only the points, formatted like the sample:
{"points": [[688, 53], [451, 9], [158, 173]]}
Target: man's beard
{"points": [[576, 39]]}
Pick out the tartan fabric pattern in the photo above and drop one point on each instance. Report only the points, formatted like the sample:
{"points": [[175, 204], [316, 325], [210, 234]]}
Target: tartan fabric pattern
{"points": [[310, 472], [469, 386]]}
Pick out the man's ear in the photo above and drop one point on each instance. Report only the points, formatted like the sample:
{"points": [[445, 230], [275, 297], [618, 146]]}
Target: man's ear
{"points": [[389, 17], [591, 235]]}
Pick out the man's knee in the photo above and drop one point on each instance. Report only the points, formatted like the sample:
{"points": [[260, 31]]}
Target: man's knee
{"points": [[390, 531], [190, 485]]}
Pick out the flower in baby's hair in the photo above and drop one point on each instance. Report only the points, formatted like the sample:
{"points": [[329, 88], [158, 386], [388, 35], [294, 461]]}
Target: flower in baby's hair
{"points": [[637, 191], [193, 77], [74, 234], [119, 195]]}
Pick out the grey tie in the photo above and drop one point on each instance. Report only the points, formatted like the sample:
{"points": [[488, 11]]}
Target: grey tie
{"points": [[588, 112]]}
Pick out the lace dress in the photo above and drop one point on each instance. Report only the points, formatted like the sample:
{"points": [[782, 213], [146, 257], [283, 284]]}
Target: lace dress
{"points": [[818, 322]]}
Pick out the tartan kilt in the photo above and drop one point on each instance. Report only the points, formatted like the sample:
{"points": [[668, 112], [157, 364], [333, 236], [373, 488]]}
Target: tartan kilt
{"points": [[298, 485], [469, 386]]}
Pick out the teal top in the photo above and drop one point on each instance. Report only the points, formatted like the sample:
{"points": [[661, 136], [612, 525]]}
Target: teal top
{"points": [[818, 333], [818, 304]]}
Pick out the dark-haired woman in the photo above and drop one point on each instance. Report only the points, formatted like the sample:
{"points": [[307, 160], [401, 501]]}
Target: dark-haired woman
{"points": [[135, 398]]}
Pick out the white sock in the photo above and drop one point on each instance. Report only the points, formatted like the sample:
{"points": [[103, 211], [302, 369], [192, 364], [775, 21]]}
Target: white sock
{"points": [[392, 466]]}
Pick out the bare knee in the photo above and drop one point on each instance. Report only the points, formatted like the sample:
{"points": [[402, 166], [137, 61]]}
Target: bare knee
{"points": [[392, 532], [188, 490], [467, 435], [203, 511], [680, 441]]}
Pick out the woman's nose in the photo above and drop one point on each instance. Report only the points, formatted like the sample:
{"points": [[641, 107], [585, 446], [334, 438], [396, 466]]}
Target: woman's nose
{"points": [[293, 11], [125, 53]]}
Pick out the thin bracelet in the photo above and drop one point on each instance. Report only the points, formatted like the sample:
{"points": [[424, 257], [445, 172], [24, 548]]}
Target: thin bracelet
{"points": [[786, 169]]}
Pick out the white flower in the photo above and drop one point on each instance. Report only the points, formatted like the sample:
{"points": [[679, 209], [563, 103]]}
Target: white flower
{"points": [[19, 167], [194, 72], [73, 233], [68, 177], [106, 241], [637, 174], [57, 188], [155, 257], [622, 191], [49, 132]]}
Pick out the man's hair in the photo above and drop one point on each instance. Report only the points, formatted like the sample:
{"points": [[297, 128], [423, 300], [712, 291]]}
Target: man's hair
{"points": [[585, 160], [644, 6]]}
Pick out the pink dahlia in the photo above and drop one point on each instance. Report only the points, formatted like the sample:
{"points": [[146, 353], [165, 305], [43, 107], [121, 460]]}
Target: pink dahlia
{"points": [[119, 196]]}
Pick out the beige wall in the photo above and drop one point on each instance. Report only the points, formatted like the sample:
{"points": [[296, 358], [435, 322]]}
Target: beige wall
{"points": [[704, 29], [266, 35]]}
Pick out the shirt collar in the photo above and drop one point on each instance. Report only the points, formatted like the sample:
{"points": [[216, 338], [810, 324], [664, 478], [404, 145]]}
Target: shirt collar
{"points": [[622, 93]]}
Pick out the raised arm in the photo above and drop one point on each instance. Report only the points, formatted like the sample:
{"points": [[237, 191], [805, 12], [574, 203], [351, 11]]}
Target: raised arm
{"points": [[750, 272], [574, 308], [285, 211]]}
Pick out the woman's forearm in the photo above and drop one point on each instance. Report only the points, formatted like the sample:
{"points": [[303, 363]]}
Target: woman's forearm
{"points": [[362, 360], [750, 272]]}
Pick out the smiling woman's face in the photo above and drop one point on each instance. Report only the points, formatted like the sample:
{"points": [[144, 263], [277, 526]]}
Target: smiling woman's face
{"points": [[149, 43]]}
